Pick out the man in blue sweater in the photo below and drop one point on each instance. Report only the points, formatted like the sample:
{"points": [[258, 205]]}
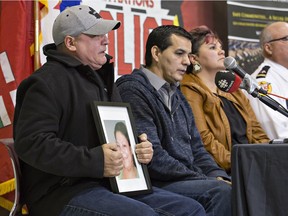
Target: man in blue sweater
{"points": [[180, 163]]}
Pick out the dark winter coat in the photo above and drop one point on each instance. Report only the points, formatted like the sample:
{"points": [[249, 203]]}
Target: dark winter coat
{"points": [[54, 130]]}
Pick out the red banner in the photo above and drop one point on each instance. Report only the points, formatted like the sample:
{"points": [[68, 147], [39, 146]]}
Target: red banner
{"points": [[16, 63]]}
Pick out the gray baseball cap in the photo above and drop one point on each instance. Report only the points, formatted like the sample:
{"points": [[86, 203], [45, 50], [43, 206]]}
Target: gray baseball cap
{"points": [[81, 19]]}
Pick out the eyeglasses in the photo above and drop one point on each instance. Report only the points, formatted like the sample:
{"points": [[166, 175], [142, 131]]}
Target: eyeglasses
{"points": [[279, 39]]}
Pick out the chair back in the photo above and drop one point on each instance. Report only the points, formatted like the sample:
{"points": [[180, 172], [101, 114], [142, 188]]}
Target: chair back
{"points": [[17, 205]]}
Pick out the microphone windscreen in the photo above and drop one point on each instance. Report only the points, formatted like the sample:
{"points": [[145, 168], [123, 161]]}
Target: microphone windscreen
{"points": [[227, 81], [230, 62]]}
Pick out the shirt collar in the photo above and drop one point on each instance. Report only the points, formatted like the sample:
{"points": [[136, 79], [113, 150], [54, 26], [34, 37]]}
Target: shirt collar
{"points": [[156, 81], [279, 69]]}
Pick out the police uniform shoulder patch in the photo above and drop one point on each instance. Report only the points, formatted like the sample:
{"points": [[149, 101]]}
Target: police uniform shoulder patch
{"points": [[263, 72], [266, 86]]}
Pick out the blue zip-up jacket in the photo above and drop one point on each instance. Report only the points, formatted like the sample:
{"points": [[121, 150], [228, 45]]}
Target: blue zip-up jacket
{"points": [[179, 153]]}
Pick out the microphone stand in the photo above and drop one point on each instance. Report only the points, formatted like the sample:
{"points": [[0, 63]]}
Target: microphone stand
{"points": [[270, 102], [251, 86]]}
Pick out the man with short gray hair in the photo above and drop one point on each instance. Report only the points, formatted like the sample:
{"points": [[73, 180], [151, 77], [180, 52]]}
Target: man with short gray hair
{"points": [[272, 75]]}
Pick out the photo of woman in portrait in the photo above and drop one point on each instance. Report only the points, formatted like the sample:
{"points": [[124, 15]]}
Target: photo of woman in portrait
{"points": [[123, 142]]}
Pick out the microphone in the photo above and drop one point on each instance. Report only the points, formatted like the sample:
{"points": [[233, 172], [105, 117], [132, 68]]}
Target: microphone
{"points": [[278, 141], [251, 86], [249, 83], [227, 81], [230, 63]]}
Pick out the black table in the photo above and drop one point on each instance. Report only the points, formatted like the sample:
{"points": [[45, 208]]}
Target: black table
{"points": [[260, 180]]}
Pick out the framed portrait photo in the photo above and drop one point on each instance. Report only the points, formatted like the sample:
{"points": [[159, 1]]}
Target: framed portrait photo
{"points": [[114, 123]]}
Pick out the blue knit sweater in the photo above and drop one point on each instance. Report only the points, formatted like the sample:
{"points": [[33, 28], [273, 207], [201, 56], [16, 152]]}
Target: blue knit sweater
{"points": [[179, 153]]}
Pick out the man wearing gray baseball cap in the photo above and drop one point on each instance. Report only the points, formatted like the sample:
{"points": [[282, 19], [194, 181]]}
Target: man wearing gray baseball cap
{"points": [[65, 168]]}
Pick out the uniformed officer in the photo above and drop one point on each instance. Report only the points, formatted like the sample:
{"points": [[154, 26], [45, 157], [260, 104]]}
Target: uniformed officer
{"points": [[272, 75]]}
